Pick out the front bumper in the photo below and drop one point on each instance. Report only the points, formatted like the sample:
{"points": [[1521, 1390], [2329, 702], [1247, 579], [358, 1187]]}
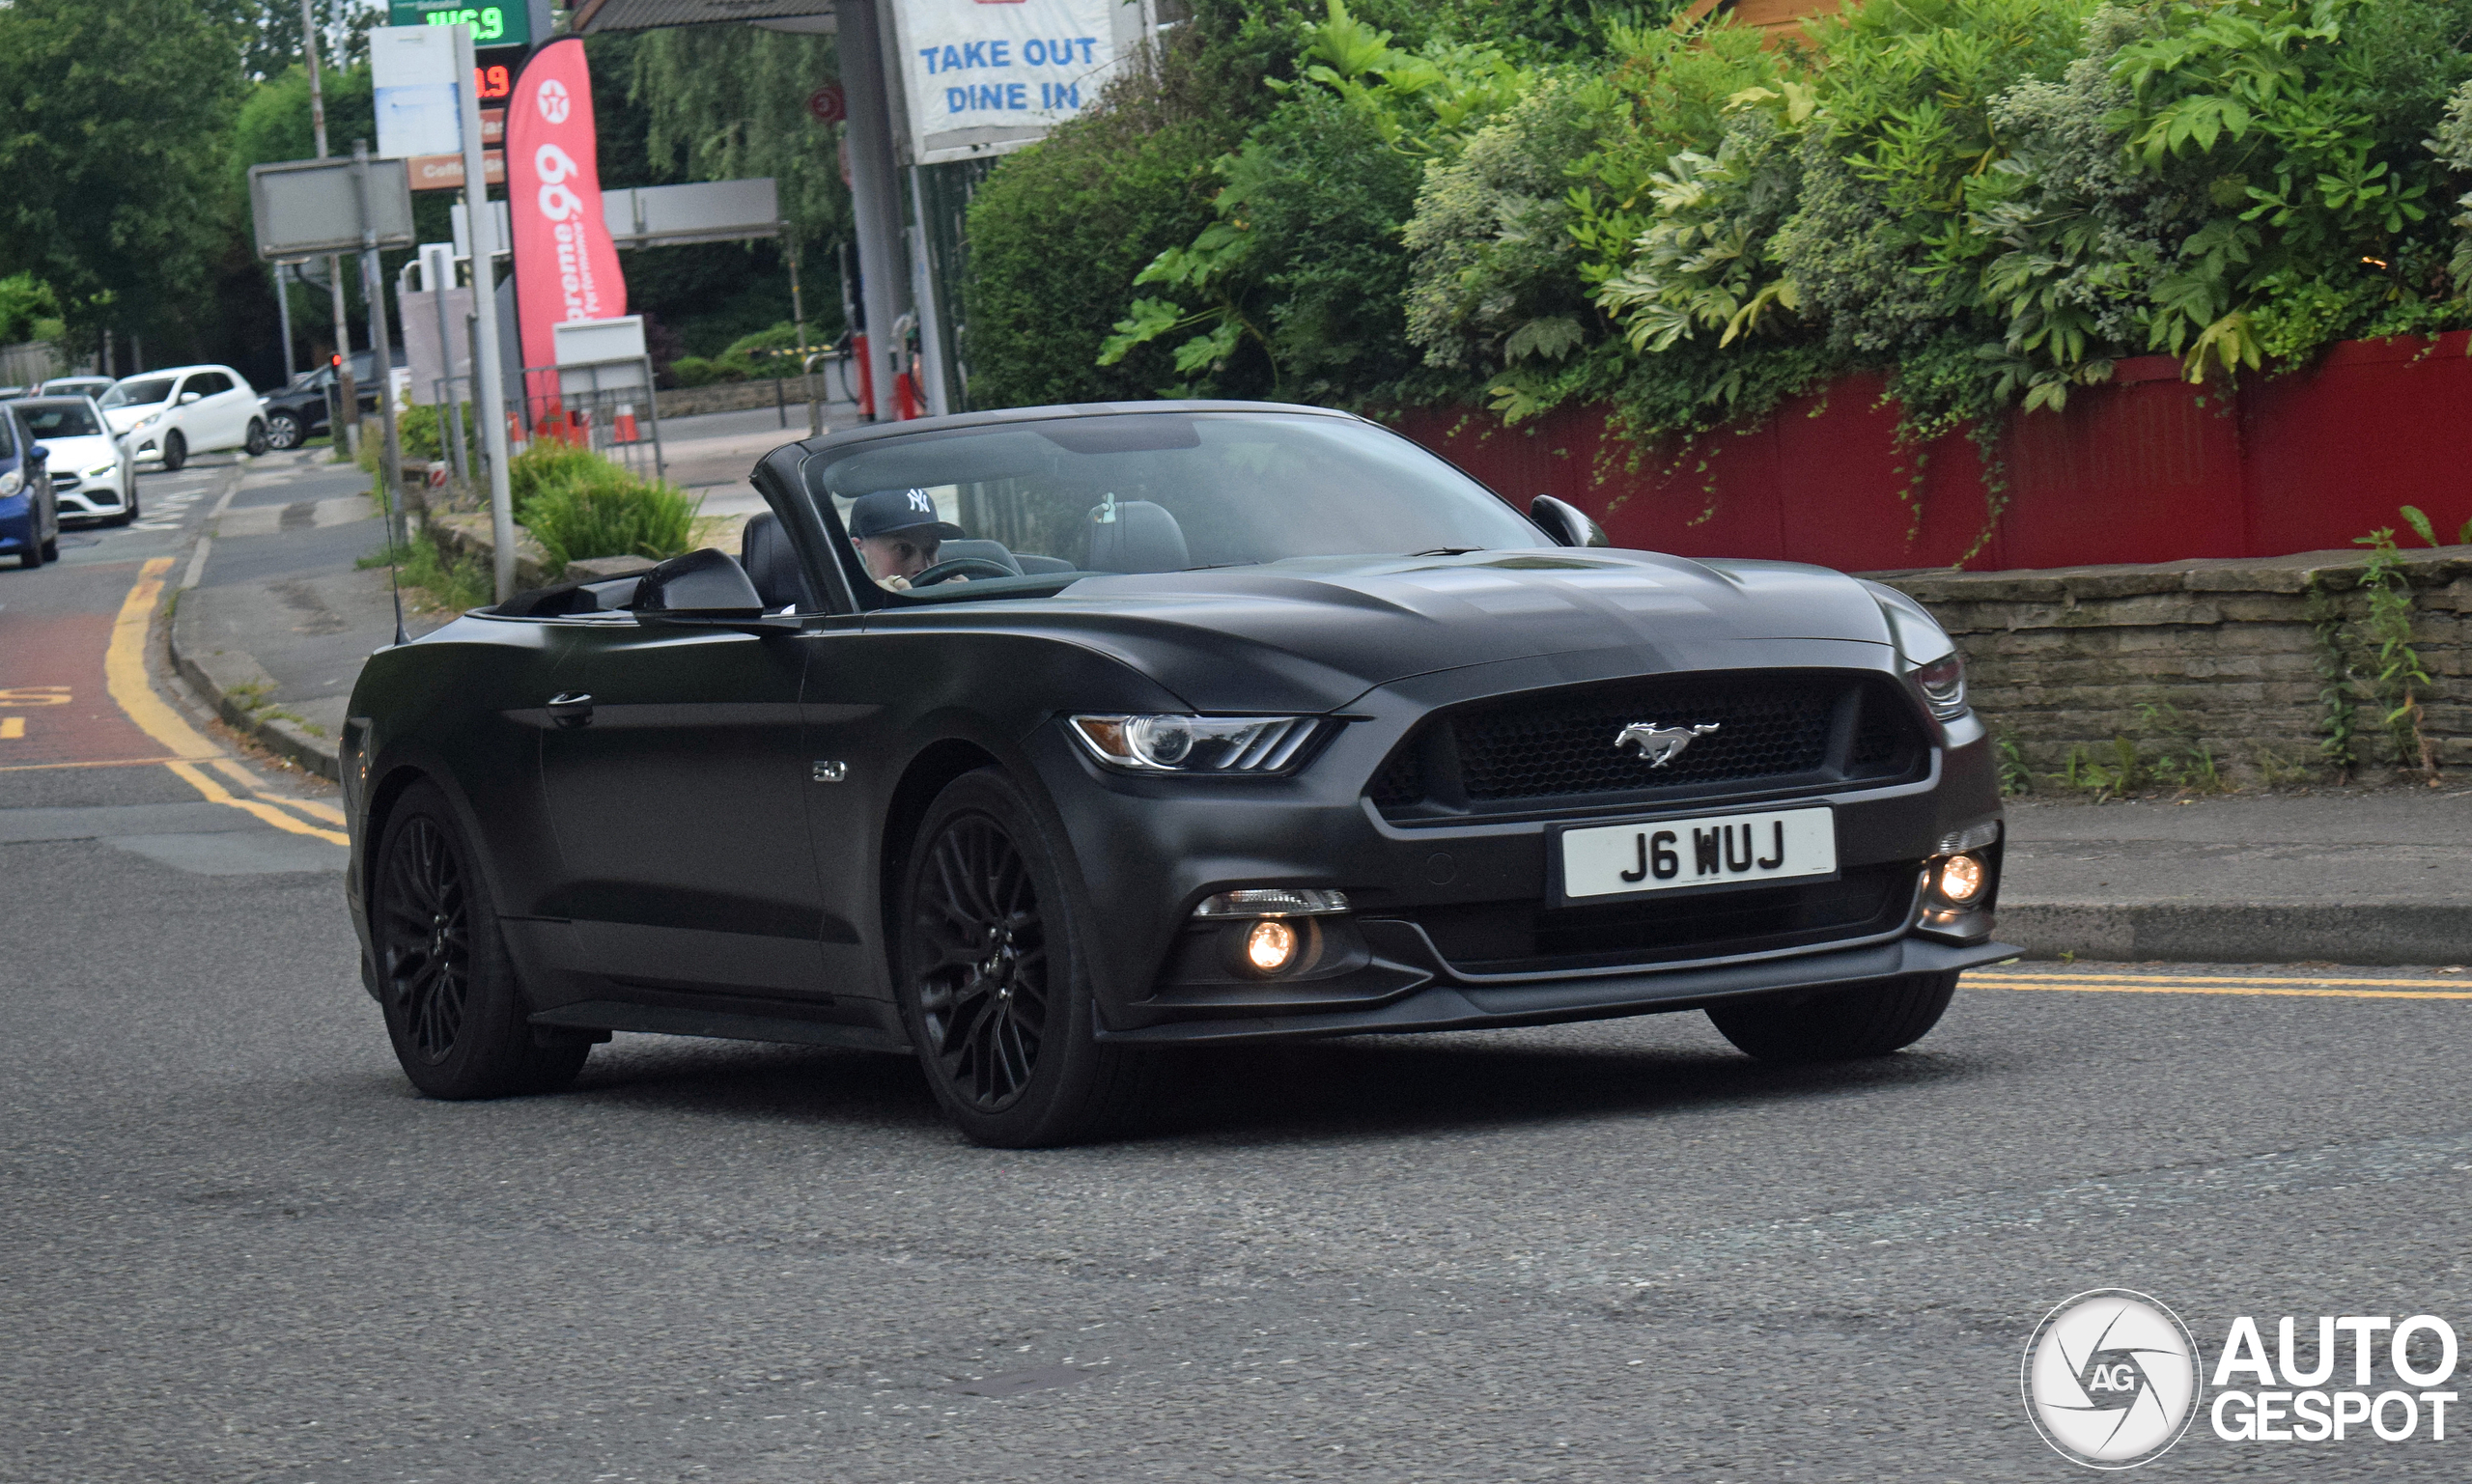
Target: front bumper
{"points": [[83, 497], [1435, 901], [1466, 1006]]}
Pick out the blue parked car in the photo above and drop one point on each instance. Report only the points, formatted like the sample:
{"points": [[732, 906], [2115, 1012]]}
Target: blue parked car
{"points": [[29, 511]]}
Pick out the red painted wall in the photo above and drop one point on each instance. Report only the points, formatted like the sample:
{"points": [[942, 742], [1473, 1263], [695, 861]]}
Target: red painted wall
{"points": [[2147, 468]]}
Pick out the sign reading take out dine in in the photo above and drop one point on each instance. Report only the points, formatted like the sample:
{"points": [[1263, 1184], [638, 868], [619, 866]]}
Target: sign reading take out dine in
{"points": [[984, 75]]}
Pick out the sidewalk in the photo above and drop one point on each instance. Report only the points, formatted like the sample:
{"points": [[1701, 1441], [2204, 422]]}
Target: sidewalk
{"points": [[274, 620], [2348, 875]]}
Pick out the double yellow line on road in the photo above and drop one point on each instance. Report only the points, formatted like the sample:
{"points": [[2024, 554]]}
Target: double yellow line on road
{"points": [[2296, 986], [191, 754]]}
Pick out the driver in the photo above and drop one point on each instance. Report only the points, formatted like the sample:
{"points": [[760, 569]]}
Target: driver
{"points": [[897, 533]]}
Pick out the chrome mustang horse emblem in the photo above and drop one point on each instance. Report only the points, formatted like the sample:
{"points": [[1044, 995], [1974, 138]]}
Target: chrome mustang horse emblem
{"points": [[1660, 744]]}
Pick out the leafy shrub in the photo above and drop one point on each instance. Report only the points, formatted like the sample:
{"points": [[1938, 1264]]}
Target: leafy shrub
{"points": [[1295, 289], [703, 371], [1057, 234], [610, 515], [547, 463], [1989, 200], [578, 504]]}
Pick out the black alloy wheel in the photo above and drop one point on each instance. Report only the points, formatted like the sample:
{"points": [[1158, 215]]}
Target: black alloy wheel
{"points": [[284, 431], [980, 950], [255, 442], [175, 451], [993, 988], [445, 982], [428, 937]]}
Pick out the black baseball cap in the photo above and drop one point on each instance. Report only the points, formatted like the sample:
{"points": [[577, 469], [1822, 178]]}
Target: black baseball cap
{"points": [[887, 511]]}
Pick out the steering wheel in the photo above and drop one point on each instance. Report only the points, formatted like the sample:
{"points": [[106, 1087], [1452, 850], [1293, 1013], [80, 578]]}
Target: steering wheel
{"points": [[959, 567]]}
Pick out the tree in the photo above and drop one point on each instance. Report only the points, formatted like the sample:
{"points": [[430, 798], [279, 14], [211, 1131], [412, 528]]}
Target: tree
{"points": [[120, 115]]}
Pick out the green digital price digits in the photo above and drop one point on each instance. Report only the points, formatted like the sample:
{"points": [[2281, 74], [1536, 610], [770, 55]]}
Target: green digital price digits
{"points": [[488, 21], [493, 25]]}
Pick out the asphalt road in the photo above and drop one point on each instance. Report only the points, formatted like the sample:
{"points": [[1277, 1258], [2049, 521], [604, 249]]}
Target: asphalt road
{"points": [[237, 1246]]}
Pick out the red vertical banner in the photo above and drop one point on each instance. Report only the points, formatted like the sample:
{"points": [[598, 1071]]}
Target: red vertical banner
{"points": [[565, 267]]}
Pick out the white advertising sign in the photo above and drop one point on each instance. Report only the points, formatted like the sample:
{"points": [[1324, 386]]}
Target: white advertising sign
{"points": [[412, 74], [981, 76]]}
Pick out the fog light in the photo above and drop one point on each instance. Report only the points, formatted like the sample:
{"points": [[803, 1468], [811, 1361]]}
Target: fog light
{"points": [[1961, 878], [1269, 946]]}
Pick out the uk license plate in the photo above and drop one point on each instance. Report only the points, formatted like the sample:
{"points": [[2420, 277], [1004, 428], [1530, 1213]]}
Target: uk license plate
{"points": [[1713, 850]]}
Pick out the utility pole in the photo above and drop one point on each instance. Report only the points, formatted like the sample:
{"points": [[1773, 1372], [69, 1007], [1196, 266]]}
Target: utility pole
{"points": [[283, 315], [347, 410], [373, 290], [488, 396]]}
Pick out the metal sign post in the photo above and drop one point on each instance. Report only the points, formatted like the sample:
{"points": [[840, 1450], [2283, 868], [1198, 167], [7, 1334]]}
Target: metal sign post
{"points": [[372, 287], [489, 376]]}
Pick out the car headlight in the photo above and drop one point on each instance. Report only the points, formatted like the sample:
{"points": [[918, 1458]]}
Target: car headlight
{"points": [[10, 483], [1944, 684], [149, 419], [101, 469], [1929, 654], [1194, 745]]}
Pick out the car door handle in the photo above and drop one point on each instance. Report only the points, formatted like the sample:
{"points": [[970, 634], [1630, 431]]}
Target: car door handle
{"points": [[571, 709]]}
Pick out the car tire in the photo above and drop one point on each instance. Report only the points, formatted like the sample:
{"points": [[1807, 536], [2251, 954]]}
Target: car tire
{"points": [[255, 442], [446, 983], [128, 508], [51, 547], [285, 431], [993, 982], [1866, 1019], [175, 451], [30, 558]]}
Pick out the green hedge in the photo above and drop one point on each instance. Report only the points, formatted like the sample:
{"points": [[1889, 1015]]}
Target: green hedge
{"points": [[1991, 201]]}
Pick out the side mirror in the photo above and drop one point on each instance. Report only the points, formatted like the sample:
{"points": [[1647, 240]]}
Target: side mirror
{"points": [[187, 397], [705, 587], [1566, 522]]}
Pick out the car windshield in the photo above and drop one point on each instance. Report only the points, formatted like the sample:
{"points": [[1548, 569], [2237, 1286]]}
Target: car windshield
{"points": [[1172, 492], [60, 420], [139, 393]]}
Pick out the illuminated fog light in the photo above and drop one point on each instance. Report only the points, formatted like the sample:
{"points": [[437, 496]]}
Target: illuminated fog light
{"points": [[1961, 878], [1271, 946]]}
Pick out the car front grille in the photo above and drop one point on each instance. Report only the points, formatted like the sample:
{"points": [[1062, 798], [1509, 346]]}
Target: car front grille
{"points": [[1527, 936], [1772, 730]]}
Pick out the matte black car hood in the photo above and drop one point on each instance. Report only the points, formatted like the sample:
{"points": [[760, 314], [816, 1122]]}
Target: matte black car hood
{"points": [[1326, 631]]}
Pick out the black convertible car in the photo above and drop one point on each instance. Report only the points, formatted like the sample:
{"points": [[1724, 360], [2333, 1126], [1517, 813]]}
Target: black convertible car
{"points": [[1214, 722]]}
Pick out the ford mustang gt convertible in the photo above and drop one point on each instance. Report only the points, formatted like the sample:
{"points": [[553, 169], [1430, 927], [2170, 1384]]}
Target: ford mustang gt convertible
{"points": [[1034, 743]]}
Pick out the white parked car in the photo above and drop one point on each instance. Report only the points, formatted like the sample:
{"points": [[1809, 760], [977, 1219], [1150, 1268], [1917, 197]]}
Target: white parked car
{"points": [[94, 476], [167, 415]]}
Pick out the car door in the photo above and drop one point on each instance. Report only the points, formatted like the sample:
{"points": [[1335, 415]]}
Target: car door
{"points": [[190, 413], [676, 783], [214, 419], [238, 406]]}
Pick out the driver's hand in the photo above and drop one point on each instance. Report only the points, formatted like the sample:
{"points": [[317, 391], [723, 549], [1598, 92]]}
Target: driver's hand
{"points": [[896, 583]]}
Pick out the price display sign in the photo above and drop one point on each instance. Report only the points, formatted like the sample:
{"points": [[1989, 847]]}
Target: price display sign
{"points": [[508, 24]]}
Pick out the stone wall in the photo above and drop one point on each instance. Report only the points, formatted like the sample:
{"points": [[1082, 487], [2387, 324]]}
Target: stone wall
{"points": [[2225, 654], [742, 395]]}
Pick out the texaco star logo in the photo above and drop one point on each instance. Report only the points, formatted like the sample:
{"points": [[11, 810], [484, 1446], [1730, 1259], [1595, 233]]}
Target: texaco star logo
{"points": [[552, 100]]}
